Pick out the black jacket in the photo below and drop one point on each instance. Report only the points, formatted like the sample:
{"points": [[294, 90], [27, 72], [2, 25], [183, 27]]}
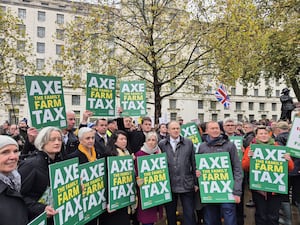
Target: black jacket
{"points": [[12, 207], [35, 180], [100, 145]]}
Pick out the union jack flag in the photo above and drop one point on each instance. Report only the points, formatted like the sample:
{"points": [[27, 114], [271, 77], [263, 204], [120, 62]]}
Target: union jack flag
{"points": [[222, 96]]}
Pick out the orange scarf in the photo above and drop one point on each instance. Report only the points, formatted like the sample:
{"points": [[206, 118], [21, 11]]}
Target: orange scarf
{"points": [[91, 157]]}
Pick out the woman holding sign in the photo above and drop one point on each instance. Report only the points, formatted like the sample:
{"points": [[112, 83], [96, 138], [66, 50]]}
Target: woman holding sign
{"points": [[267, 204], [116, 146], [148, 216], [12, 208], [35, 173]]}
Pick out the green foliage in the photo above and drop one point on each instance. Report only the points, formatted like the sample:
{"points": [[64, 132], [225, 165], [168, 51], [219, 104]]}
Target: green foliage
{"points": [[14, 54]]}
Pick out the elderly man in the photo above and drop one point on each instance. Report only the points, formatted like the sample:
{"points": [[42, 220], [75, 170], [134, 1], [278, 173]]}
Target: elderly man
{"points": [[182, 168]]}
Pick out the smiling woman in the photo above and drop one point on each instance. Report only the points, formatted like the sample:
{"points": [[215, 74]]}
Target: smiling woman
{"points": [[14, 210]]}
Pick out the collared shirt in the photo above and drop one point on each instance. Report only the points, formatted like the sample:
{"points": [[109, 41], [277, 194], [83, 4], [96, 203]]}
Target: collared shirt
{"points": [[174, 143]]}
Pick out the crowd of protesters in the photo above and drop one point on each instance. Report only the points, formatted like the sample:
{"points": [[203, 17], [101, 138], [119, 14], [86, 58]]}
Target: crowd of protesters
{"points": [[26, 153]]}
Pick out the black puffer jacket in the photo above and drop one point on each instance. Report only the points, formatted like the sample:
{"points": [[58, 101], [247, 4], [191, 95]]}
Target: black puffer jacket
{"points": [[12, 207], [35, 180]]}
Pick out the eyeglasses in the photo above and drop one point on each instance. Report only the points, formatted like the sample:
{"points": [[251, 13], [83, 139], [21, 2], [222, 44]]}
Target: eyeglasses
{"points": [[55, 139]]}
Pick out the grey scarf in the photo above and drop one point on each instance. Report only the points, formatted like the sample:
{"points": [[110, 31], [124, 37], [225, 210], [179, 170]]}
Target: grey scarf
{"points": [[145, 148], [13, 180]]}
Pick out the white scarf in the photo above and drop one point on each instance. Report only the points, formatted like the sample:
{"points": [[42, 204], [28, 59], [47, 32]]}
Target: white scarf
{"points": [[13, 180]]}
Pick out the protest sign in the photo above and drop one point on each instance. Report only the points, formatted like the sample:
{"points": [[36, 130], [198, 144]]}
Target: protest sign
{"points": [[238, 142], [121, 182], [268, 168], [40, 220], [93, 177], [133, 98], [294, 138], [101, 94], [46, 101], [153, 170], [216, 179], [66, 192], [190, 131]]}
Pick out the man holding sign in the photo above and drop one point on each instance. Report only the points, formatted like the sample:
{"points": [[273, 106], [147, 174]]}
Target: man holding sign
{"points": [[267, 168], [217, 143]]}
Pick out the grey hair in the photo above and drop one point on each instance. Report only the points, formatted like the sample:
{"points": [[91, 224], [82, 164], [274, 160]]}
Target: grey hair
{"points": [[84, 130], [150, 134], [228, 119], [44, 137]]}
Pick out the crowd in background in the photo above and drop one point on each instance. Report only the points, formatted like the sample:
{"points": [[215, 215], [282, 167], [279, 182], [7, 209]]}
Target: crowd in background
{"points": [[120, 136]]}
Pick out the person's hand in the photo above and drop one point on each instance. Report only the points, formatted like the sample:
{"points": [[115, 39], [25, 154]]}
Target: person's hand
{"points": [[237, 199], [287, 156], [196, 188], [86, 115], [133, 156], [108, 209], [32, 133], [250, 153], [198, 173], [139, 181], [50, 211]]}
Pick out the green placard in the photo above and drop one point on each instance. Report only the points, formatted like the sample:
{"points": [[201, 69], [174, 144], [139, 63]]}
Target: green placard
{"points": [[93, 177], [101, 94], [66, 192], [269, 169], [155, 190], [121, 182], [46, 101], [294, 138], [216, 179], [238, 142], [40, 220], [133, 98], [190, 131]]}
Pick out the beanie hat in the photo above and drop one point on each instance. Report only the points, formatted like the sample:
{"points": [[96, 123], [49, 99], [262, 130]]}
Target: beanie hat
{"points": [[7, 140]]}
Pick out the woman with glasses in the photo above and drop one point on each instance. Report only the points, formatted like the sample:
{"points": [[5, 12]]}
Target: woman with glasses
{"points": [[12, 208], [35, 173]]}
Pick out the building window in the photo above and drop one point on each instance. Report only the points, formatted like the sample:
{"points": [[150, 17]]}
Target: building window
{"points": [[15, 98], [245, 91], [238, 105], [213, 105], [201, 117], [58, 65], [60, 34], [268, 92], [277, 93], [14, 115], [173, 116], [274, 117], [40, 63], [59, 49], [251, 118], [196, 89], [261, 106], [40, 47], [20, 79], [274, 106], [20, 64], [233, 91], [251, 105], [41, 32], [22, 13], [77, 117], [200, 104], [21, 30], [60, 18], [41, 16], [21, 45], [240, 117], [214, 117], [172, 103], [255, 92], [75, 99], [226, 115]]}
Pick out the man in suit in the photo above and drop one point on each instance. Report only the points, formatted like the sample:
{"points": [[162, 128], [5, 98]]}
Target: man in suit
{"points": [[101, 137]]}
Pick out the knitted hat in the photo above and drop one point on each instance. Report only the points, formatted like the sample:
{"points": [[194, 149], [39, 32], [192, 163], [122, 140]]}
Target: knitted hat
{"points": [[7, 140]]}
